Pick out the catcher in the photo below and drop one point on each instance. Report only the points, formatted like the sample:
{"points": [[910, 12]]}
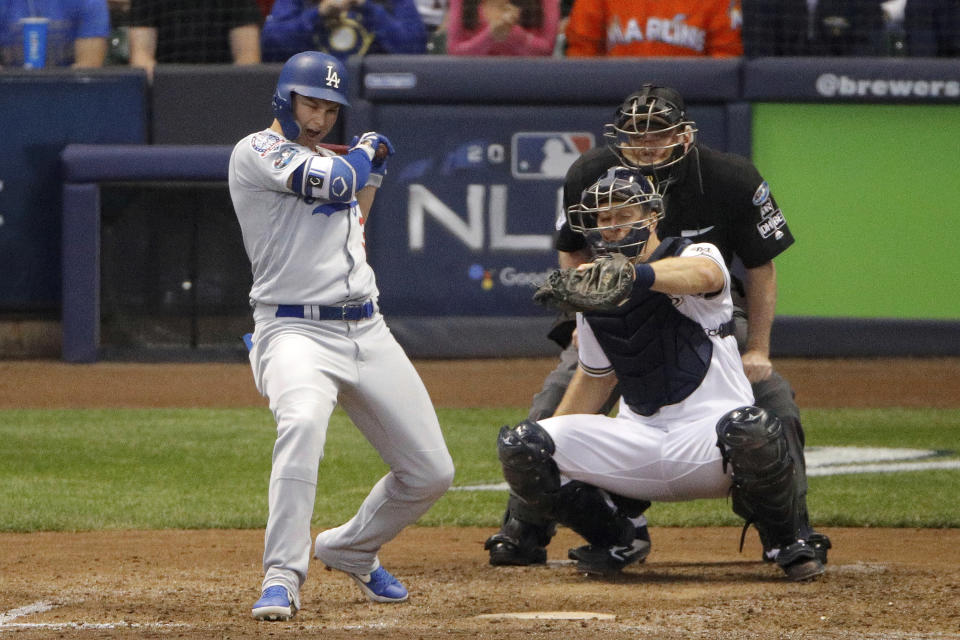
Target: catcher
{"points": [[657, 317], [712, 197]]}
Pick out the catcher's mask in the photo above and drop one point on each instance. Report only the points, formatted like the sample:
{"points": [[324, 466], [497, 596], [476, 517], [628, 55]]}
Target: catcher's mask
{"points": [[313, 74], [616, 212], [651, 131]]}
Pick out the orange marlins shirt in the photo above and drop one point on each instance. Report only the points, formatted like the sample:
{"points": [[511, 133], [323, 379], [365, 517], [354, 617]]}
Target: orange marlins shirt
{"points": [[655, 28]]}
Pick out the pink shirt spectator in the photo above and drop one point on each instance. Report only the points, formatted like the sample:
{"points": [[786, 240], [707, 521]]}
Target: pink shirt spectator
{"points": [[502, 27]]}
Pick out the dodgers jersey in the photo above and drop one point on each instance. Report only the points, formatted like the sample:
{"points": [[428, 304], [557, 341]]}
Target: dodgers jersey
{"points": [[724, 387], [296, 244]]}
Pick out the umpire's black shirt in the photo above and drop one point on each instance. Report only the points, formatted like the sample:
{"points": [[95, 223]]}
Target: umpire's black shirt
{"points": [[717, 197]]}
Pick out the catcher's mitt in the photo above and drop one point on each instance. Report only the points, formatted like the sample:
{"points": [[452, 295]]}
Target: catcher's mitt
{"points": [[602, 285]]}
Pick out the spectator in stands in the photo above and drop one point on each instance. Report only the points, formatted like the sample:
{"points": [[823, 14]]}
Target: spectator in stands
{"points": [[812, 28], [343, 28], [76, 34], [432, 12], [265, 7], [502, 27], [924, 28], [194, 32], [118, 43], [560, 44], [624, 28]]}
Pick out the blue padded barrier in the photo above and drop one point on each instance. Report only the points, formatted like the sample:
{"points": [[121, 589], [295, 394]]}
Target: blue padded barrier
{"points": [[454, 79], [101, 163], [839, 80], [43, 110]]}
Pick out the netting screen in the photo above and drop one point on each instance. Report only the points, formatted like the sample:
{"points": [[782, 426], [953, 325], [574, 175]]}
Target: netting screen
{"points": [[851, 28], [174, 274]]}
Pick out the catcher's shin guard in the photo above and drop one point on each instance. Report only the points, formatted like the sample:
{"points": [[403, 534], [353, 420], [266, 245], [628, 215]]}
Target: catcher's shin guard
{"points": [[526, 455], [795, 441], [523, 536], [769, 485]]}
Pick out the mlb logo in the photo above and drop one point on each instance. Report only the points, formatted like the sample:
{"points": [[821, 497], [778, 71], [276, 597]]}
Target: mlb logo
{"points": [[546, 155]]}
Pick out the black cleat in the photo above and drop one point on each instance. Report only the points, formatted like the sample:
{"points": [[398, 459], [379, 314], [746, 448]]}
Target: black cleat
{"points": [[608, 561], [819, 542], [506, 551], [800, 562], [804, 570]]}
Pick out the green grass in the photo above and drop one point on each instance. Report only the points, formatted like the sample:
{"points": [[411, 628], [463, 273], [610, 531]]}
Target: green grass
{"points": [[200, 468]]}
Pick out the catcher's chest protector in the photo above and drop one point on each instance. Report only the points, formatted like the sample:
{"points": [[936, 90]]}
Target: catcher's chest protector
{"points": [[660, 356]]}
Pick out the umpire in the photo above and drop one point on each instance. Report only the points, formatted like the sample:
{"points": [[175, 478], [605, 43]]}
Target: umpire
{"points": [[709, 196]]}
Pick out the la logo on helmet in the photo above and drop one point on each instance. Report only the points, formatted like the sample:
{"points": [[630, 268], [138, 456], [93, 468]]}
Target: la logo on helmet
{"points": [[333, 79]]}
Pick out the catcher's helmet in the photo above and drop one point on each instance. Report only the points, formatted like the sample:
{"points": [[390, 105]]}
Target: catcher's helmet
{"points": [[651, 131], [623, 199], [312, 74]]}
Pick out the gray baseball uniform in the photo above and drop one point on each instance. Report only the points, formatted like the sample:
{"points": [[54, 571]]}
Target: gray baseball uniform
{"points": [[319, 339]]}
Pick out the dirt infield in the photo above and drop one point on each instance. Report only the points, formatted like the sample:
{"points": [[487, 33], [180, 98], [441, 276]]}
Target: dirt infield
{"points": [[883, 382], [200, 584], [881, 584]]}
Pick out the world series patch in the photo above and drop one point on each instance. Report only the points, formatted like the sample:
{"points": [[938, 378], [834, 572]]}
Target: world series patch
{"points": [[772, 220]]}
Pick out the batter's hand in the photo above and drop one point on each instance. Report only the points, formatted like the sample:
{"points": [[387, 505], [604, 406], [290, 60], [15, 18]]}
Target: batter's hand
{"points": [[377, 146], [756, 365]]}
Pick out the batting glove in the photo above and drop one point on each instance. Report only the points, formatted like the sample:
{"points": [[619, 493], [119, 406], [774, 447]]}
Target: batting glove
{"points": [[370, 142], [378, 165]]}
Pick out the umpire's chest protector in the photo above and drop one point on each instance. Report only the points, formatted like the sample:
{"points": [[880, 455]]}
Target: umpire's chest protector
{"points": [[660, 356]]}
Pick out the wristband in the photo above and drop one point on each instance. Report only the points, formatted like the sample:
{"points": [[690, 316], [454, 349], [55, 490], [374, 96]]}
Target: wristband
{"points": [[645, 277]]}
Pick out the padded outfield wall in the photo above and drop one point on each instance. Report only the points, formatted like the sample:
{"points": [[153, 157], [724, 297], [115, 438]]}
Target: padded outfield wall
{"points": [[872, 191]]}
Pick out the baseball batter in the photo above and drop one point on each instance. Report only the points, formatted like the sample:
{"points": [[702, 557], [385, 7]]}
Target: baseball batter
{"points": [[686, 428], [319, 338]]}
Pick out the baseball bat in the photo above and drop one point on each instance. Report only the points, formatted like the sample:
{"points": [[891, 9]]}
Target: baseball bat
{"points": [[341, 149]]}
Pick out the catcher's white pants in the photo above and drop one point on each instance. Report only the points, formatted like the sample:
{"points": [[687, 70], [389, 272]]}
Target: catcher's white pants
{"points": [[636, 460], [303, 367]]}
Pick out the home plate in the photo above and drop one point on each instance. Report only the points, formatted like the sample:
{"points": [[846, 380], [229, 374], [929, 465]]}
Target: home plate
{"points": [[548, 615]]}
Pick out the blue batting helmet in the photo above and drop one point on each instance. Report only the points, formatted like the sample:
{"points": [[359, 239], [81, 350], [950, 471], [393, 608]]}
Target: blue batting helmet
{"points": [[312, 74]]}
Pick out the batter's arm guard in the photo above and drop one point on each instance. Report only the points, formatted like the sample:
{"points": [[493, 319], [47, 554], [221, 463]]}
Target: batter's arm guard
{"points": [[335, 179]]}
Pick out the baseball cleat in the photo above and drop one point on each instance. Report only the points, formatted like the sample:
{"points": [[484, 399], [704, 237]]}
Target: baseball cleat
{"points": [[607, 561], [818, 541], [274, 604], [800, 562], [505, 551], [820, 544], [380, 586], [804, 570]]}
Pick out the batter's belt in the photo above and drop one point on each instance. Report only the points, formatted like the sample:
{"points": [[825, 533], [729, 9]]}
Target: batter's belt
{"points": [[349, 312]]}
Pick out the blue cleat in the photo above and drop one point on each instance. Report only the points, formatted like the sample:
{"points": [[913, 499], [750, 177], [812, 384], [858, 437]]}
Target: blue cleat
{"points": [[274, 604], [380, 586]]}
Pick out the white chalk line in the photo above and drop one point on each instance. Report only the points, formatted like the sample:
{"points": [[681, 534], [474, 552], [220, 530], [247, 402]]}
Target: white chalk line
{"points": [[834, 461], [60, 626], [884, 468], [41, 606], [37, 607]]}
